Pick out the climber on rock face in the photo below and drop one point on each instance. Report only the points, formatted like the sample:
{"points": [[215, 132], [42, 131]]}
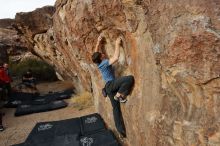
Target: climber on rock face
{"points": [[116, 88], [122, 85]]}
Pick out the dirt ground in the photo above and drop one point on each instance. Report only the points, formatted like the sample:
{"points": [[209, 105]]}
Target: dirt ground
{"points": [[18, 128]]}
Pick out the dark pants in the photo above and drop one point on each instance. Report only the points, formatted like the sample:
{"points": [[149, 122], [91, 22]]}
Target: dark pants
{"points": [[7, 87], [1, 115], [5, 91], [122, 85]]}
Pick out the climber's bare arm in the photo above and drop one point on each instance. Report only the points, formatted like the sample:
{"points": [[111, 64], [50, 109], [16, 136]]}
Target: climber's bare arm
{"points": [[115, 57], [98, 44]]}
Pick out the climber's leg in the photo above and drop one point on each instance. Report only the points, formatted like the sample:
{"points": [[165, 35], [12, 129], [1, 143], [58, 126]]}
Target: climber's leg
{"points": [[123, 86], [119, 123]]}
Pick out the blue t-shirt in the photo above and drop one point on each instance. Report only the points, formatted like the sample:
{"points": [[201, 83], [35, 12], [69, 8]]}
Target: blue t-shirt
{"points": [[106, 70]]}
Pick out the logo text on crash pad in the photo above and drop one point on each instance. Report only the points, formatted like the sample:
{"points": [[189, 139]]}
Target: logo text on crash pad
{"points": [[45, 127], [90, 120], [86, 141]]}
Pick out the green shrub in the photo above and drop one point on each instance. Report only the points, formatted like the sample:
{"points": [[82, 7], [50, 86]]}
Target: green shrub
{"points": [[41, 70]]}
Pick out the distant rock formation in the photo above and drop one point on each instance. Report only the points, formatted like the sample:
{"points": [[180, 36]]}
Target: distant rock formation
{"points": [[171, 47], [35, 22], [16, 35], [10, 40]]}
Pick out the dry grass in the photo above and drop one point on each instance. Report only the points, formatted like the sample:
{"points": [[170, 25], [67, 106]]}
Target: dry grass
{"points": [[82, 101]]}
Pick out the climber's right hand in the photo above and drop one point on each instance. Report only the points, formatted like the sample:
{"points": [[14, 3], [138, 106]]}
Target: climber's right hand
{"points": [[100, 38], [118, 41]]}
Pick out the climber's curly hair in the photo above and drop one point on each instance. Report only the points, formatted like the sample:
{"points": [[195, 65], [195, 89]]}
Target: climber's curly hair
{"points": [[96, 57]]}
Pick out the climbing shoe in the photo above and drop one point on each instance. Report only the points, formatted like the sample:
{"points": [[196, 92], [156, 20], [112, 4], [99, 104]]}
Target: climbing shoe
{"points": [[116, 98], [122, 135], [122, 100]]}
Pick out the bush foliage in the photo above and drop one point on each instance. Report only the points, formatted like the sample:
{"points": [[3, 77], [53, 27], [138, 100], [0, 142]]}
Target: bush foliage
{"points": [[41, 70], [83, 100]]}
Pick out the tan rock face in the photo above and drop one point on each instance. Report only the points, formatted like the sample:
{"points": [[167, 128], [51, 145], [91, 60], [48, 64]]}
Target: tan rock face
{"points": [[171, 47], [10, 42]]}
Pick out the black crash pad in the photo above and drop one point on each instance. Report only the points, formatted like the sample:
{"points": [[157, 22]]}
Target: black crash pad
{"points": [[20, 98], [13, 104], [63, 94], [84, 131], [21, 144], [34, 144], [55, 133], [55, 96], [46, 131], [68, 127], [91, 123], [29, 109], [101, 138], [42, 132], [66, 140]]}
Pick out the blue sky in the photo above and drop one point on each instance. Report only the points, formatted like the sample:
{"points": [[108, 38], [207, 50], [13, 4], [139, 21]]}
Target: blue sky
{"points": [[8, 8]]}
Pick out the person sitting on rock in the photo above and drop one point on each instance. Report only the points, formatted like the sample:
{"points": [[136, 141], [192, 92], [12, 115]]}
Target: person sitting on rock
{"points": [[116, 88], [28, 79]]}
